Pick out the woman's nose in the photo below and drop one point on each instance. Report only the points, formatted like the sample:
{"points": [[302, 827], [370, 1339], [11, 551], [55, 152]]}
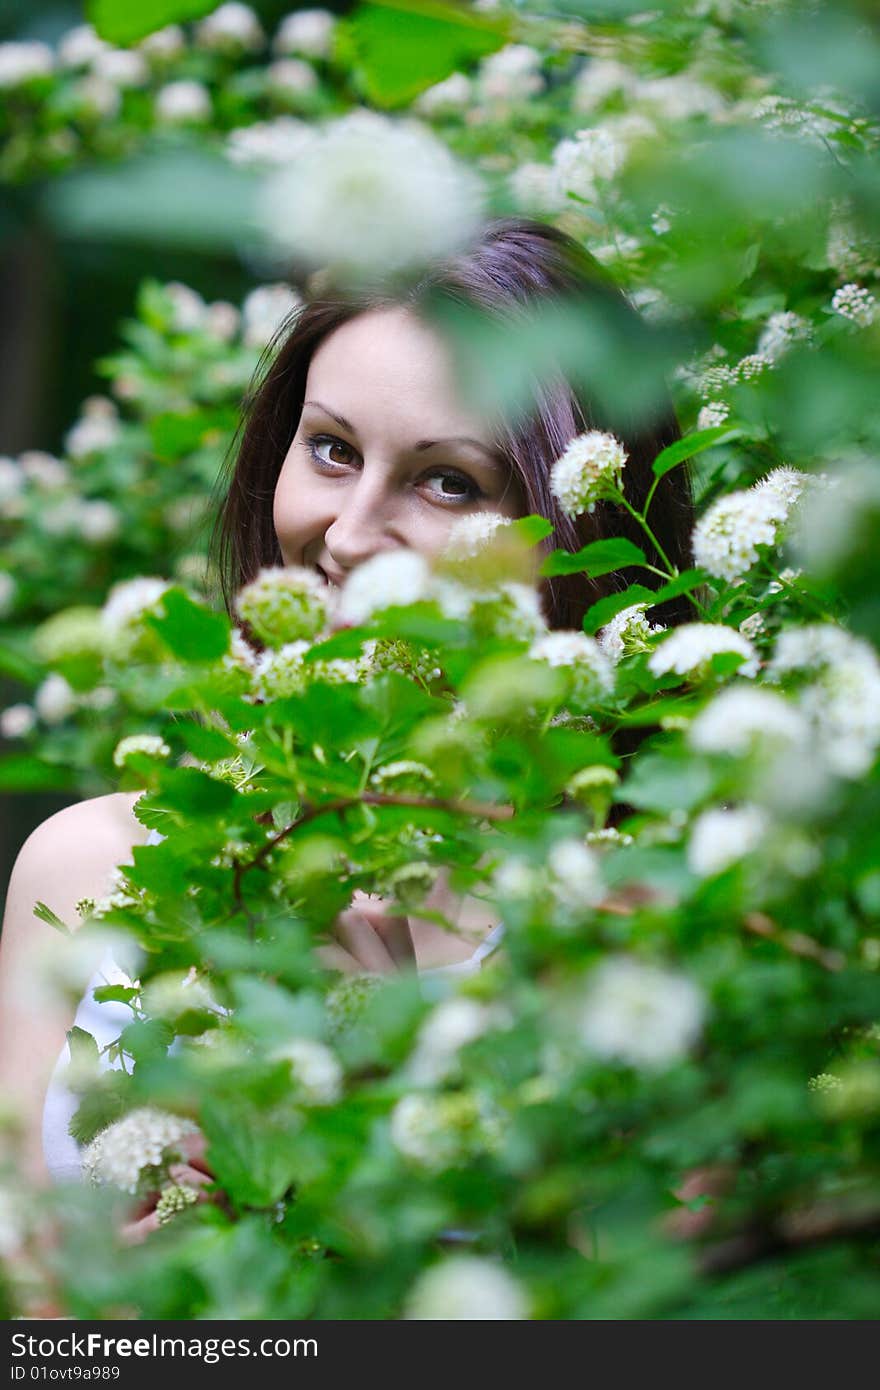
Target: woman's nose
{"points": [[363, 524]]}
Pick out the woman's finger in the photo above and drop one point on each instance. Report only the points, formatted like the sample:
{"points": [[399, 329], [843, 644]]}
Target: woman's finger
{"points": [[356, 934], [335, 957], [188, 1176], [393, 930]]}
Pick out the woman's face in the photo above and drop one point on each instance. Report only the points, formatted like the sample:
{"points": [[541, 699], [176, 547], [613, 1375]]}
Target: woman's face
{"points": [[385, 453]]}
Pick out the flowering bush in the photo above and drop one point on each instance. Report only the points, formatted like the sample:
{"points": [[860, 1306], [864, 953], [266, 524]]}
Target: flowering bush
{"points": [[660, 1095]]}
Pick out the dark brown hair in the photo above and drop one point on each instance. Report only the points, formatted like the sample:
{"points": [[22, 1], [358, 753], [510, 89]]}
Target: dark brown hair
{"points": [[514, 265]]}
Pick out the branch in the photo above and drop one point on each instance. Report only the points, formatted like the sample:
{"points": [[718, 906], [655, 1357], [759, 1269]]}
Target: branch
{"points": [[798, 943]]}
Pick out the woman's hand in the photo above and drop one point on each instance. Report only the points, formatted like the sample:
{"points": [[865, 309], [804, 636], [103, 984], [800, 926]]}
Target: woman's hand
{"points": [[368, 938], [192, 1171]]}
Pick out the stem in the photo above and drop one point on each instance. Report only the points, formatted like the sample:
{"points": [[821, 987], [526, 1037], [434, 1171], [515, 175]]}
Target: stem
{"points": [[670, 568]]}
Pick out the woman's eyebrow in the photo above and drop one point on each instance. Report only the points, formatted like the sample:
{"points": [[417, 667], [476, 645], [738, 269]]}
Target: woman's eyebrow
{"points": [[422, 445]]}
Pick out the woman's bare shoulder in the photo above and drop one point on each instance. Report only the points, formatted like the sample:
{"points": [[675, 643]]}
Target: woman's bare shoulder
{"points": [[75, 850]]}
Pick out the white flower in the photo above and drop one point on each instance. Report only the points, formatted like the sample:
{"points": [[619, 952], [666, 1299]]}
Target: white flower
{"points": [[855, 303], [449, 1027], [126, 606], [712, 415], [315, 1069], [842, 701], [454, 93], [222, 321], [55, 699], [278, 674], [8, 590], [269, 143], [97, 97], [535, 188], [61, 519], [742, 718], [716, 379], [372, 196], [12, 1223], [306, 31], [588, 470], [752, 365], [144, 1138], [80, 46], [99, 521], [469, 534], [575, 880], [512, 610], [785, 485], [12, 479], [43, 469], [439, 1131], [21, 62], [284, 604], [726, 538], [837, 518], [679, 97], [233, 28], [164, 43], [813, 647], [98, 428], [661, 219], [187, 307], [592, 672], [689, 648], [780, 331], [516, 878], [628, 631], [591, 155], [511, 74], [183, 101], [600, 79], [466, 1287], [639, 1014], [264, 311], [292, 75], [17, 720], [720, 837], [124, 67], [385, 580], [151, 744]]}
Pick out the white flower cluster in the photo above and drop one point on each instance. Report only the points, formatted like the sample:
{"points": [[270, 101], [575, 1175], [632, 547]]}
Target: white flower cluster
{"points": [[291, 77], [628, 632], [314, 1069], [369, 196], [720, 837], [579, 163], [55, 699], [125, 608], [308, 31], [640, 1014], [466, 1287], [781, 330], [689, 648], [855, 303], [98, 429], [742, 719], [268, 144], [284, 604], [842, 700], [535, 188], [145, 1138], [153, 745], [590, 670], [470, 534], [726, 539], [264, 311], [511, 74], [231, 28], [441, 1131], [575, 880], [182, 102], [712, 415], [590, 468], [23, 61], [454, 93], [450, 1026]]}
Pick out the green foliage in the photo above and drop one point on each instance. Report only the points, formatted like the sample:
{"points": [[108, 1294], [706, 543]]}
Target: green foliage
{"points": [[123, 24], [403, 46]]}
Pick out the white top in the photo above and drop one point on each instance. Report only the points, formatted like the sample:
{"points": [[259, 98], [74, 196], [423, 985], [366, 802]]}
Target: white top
{"points": [[105, 1022]]}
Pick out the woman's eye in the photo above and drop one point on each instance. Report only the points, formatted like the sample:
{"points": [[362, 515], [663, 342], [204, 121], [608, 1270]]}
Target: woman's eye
{"points": [[453, 487], [336, 451]]}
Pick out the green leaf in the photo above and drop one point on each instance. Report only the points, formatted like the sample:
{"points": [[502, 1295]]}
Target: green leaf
{"points": [[190, 630], [115, 994], [690, 446], [174, 435], [403, 46], [18, 666], [596, 559], [103, 1103], [533, 529], [659, 783], [46, 914], [83, 1049], [147, 1039], [121, 22], [204, 742], [254, 1165], [607, 608], [683, 583]]}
